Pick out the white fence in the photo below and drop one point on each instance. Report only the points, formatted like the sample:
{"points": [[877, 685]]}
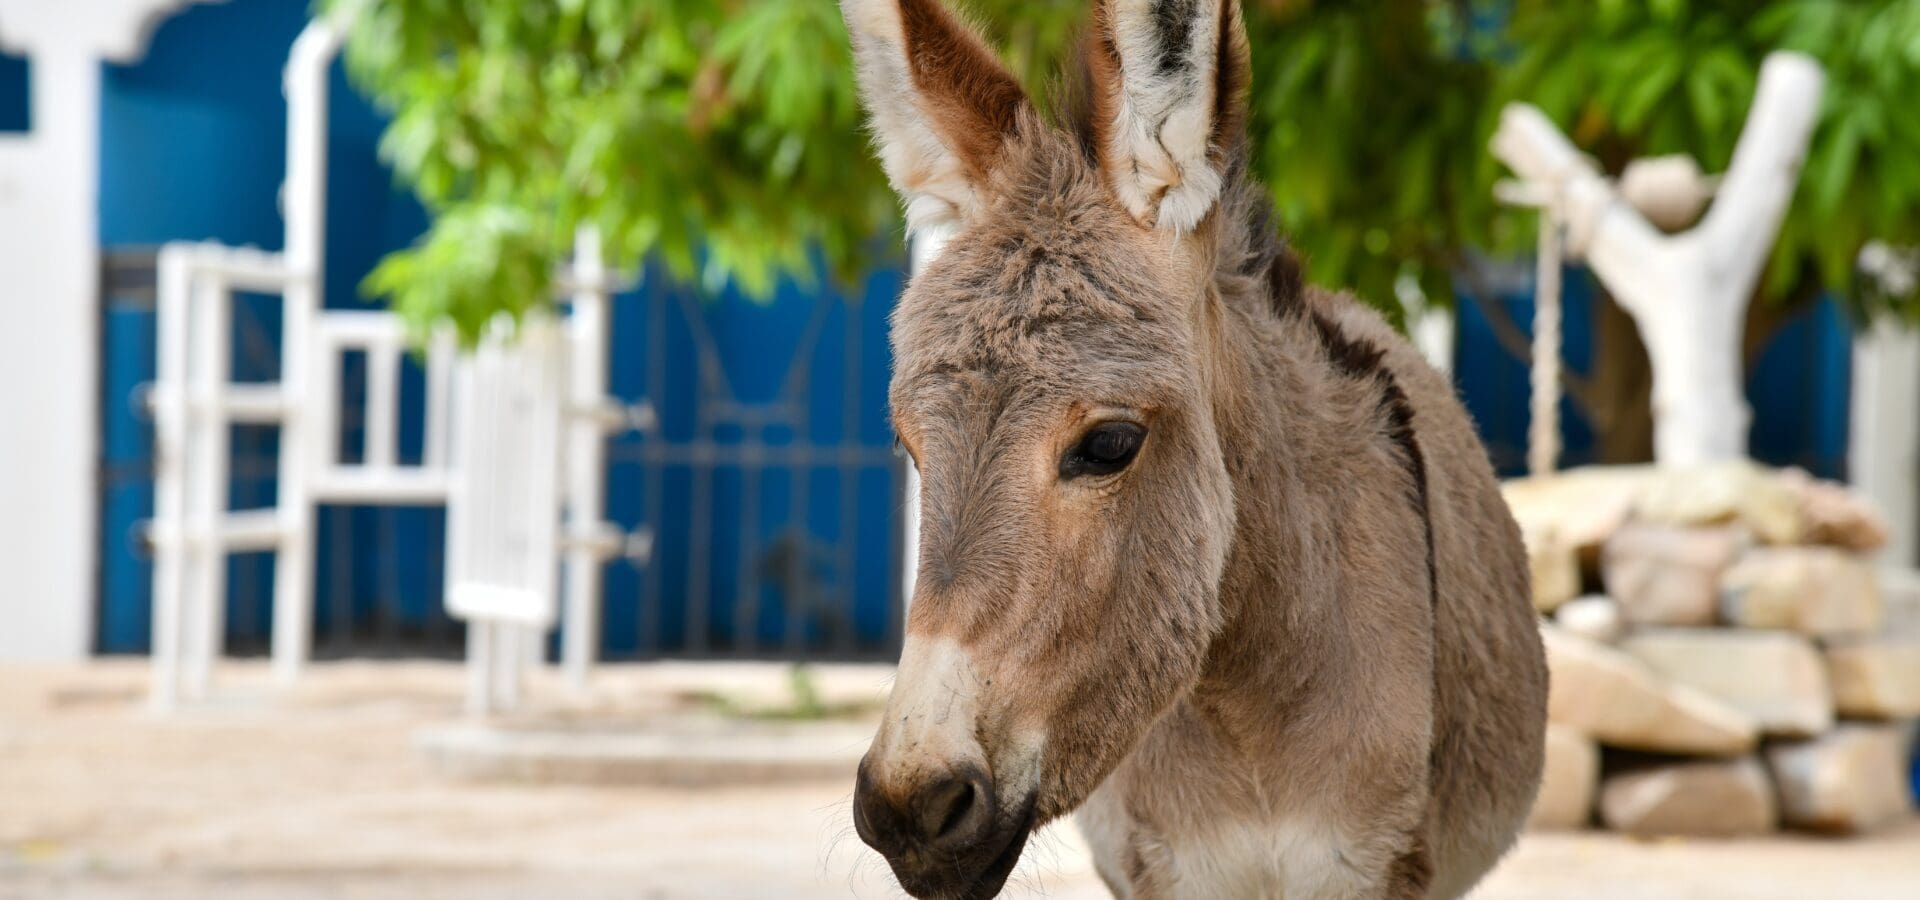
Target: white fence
{"points": [[513, 441]]}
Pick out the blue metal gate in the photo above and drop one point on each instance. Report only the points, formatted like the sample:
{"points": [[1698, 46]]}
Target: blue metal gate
{"points": [[769, 481]]}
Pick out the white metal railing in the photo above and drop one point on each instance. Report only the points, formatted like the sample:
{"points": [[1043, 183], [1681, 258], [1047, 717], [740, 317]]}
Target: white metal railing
{"points": [[379, 476], [527, 419], [195, 404]]}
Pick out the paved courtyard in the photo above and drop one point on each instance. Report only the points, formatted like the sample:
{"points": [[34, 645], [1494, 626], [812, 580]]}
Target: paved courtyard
{"points": [[324, 794]]}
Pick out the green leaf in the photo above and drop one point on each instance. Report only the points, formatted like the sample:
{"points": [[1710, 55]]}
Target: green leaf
{"points": [[723, 138], [1703, 94], [1648, 89], [1836, 166]]}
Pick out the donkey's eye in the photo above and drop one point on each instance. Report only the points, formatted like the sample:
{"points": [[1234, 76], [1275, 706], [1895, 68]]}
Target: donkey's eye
{"points": [[1103, 450], [900, 452]]}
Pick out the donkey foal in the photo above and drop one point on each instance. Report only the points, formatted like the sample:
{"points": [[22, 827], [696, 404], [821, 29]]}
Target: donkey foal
{"points": [[1207, 555]]}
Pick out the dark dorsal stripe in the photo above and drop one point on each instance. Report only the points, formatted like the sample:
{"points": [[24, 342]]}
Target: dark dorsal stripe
{"points": [[1400, 428], [1360, 360], [1286, 281]]}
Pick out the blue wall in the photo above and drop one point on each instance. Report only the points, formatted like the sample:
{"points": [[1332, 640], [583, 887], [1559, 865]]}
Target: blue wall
{"points": [[193, 145]]}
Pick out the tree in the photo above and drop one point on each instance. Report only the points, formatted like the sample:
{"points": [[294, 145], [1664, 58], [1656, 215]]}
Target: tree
{"points": [[1629, 80], [723, 136], [1688, 291]]}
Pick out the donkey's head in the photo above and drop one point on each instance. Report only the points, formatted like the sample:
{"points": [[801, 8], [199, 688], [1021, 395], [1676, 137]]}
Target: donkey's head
{"points": [[1053, 384]]}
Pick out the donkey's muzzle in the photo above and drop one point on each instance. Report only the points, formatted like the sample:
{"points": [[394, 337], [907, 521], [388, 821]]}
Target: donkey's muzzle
{"points": [[943, 835]]}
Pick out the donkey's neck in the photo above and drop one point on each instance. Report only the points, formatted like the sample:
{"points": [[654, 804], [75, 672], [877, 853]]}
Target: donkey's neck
{"points": [[1290, 428]]}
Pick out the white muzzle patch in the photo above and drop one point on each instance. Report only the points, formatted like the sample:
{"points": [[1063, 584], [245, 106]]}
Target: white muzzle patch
{"points": [[933, 725]]}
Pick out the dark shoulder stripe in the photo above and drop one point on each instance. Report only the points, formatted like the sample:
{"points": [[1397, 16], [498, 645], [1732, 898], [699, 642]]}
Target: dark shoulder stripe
{"points": [[1360, 359], [1353, 357], [1286, 283], [1400, 427]]}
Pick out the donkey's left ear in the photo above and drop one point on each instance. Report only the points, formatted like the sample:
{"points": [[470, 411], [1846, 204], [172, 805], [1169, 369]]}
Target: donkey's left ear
{"points": [[1169, 82], [942, 105]]}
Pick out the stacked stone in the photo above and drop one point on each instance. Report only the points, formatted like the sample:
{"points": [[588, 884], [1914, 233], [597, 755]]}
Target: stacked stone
{"points": [[1726, 659]]}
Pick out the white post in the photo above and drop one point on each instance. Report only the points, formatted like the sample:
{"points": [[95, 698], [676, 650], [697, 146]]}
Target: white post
{"points": [[586, 456], [303, 205], [480, 663], [1883, 448], [1430, 327], [175, 282], [1688, 292], [204, 619], [434, 451], [383, 405]]}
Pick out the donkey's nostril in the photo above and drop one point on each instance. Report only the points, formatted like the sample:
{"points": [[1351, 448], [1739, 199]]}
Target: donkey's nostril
{"points": [[954, 810], [944, 806], [948, 813]]}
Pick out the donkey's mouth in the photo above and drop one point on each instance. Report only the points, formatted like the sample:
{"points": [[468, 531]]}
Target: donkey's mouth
{"points": [[975, 875]]}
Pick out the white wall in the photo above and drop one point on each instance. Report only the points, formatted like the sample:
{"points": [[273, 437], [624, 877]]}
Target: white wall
{"points": [[1883, 448], [49, 269], [48, 366]]}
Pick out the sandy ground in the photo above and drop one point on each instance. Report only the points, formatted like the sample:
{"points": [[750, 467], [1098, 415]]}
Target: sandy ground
{"points": [[323, 794]]}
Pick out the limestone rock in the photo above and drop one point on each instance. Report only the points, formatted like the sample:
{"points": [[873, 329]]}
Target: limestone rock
{"points": [[1568, 782], [1666, 575], [1595, 617], [1812, 590], [1583, 507], [1554, 566], [1736, 491], [1776, 677], [1708, 798], [1876, 677], [1619, 701], [1834, 515], [1854, 779]]}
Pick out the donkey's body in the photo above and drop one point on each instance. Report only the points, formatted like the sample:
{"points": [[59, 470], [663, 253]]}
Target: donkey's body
{"points": [[1368, 723], [1211, 556]]}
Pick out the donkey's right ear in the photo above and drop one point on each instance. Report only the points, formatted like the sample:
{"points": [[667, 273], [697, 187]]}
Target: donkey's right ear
{"points": [[942, 105]]}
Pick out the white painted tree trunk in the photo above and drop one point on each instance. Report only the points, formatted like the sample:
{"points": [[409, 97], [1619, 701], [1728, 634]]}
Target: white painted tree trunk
{"points": [[1688, 292]]}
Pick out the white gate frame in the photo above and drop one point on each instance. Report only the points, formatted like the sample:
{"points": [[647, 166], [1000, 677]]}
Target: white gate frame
{"points": [[195, 402]]}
